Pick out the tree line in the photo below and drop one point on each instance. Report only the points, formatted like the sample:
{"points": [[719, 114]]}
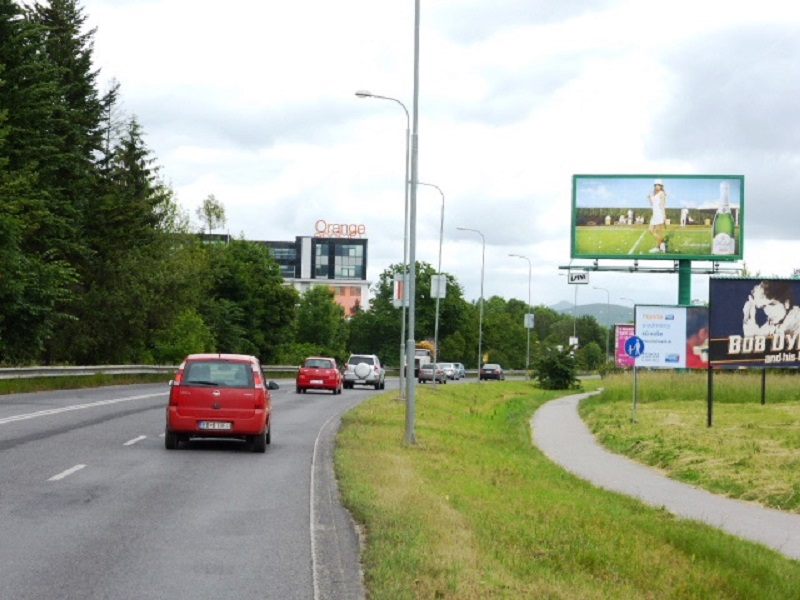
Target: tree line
{"points": [[100, 264]]}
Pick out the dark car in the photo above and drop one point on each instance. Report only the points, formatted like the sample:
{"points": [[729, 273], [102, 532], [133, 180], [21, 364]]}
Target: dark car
{"points": [[491, 371], [219, 396], [431, 372], [319, 373]]}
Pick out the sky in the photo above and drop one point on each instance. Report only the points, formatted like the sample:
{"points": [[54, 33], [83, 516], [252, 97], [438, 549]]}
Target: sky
{"points": [[254, 102]]}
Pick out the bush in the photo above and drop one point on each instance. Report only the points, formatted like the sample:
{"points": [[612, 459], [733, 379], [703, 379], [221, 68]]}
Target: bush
{"points": [[556, 370]]}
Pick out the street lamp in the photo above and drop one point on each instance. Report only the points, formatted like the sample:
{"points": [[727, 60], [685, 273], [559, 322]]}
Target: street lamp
{"points": [[404, 298], [438, 278], [608, 307], [530, 311], [480, 313]]}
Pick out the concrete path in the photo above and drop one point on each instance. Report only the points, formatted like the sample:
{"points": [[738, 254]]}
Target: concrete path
{"points": [[558, 430]]}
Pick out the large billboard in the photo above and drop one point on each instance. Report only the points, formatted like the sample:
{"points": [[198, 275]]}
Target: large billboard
{"points": [[658, 216], [754, 322], [672, 337]]}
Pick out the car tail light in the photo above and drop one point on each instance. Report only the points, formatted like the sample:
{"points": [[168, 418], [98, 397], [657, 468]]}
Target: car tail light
{"points": [[257, 378]]}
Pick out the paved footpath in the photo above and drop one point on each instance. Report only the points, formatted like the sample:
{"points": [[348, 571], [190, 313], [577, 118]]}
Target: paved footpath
{"points": [[558, 430]]}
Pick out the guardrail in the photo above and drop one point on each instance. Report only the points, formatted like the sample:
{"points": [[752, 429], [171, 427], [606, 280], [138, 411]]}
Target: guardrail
{"points": [[29, 372]]}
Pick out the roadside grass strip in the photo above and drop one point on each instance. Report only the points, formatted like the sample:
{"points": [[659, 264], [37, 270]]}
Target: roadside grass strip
{"points": [[473, 510]]}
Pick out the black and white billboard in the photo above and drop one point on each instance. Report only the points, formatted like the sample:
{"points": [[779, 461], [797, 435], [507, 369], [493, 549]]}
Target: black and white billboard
{"points": [[754, 322]]}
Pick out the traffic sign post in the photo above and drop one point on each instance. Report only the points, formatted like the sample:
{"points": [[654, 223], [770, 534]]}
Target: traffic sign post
{"points": [[634, 347]]}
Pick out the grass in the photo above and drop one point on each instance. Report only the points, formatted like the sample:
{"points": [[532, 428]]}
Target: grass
{"points": [[473, 510], [625, 240], [751, 451], [73, 382]]}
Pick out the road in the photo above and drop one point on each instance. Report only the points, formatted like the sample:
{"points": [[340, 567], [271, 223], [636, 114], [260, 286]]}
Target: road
{"points": [[93, 506]]}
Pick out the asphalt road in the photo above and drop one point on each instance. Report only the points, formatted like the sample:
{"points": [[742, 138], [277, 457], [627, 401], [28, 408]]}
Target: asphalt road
{"points": [[93, 506]]}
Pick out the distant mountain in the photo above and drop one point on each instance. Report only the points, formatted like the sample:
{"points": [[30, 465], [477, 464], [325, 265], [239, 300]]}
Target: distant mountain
{"points": [[603, 314]]}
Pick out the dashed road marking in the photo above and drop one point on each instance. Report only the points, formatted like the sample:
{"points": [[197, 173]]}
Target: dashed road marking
{"points": [[66, 473]]}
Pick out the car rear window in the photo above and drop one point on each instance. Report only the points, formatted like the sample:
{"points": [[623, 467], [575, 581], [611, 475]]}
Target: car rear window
{"points": [[318, 363], [354, 360], [218, 373]]}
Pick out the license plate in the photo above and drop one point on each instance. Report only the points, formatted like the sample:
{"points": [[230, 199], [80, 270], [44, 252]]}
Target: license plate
{"points": [[316, 382], [217, 425]]}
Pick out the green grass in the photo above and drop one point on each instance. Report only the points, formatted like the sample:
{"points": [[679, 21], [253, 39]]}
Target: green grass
{"points": [[474, 510], [42, 384], [623, 240], [751, 452]]}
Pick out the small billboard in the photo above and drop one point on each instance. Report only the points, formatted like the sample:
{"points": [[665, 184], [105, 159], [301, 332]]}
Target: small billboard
{"points": [[754, 322], [662, 217], [673, 337], [622, 333]]}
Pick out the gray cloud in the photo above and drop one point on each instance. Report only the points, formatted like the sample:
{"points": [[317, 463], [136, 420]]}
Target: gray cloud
{"points": [[476, 20], [734, 110]]}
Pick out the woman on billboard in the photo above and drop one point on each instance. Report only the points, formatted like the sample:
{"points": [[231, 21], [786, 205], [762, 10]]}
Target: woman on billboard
{"points": [[658, 202]]}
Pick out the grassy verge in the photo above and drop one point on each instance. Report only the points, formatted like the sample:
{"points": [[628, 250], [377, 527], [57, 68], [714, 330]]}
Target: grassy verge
{"points": [[473, 510], [751, 452], [42, 384]]}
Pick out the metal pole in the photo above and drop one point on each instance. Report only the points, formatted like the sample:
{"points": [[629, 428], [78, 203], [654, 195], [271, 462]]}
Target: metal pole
{"points": [[438, 278], [412, 237], [530, 312], [404, 296]]}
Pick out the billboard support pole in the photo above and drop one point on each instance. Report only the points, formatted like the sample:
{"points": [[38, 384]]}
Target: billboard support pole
{"points": [[684, 282], [635, 393], [763, 387], [710, 395]]}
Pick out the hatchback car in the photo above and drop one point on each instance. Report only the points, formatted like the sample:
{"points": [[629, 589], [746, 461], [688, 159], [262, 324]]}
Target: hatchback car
{"points": [[364, 369], [219, 396], [461, 372], [431, 372], [492, 371], [319, 373], [449, 370]]}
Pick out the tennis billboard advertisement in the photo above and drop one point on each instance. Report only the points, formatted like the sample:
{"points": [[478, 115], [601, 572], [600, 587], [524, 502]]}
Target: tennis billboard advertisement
{"points": [[754, 322], [673, 337], [662, 217]]}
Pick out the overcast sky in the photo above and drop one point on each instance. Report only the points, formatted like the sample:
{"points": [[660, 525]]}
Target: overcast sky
{"points": [[254, 102]]}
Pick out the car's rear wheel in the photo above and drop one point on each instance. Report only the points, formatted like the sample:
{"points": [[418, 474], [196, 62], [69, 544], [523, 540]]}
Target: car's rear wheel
{"points": [[170, 440], [260, 442], [299, 390]]}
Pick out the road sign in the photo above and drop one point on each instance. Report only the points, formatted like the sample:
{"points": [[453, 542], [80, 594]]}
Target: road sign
{"points": [[634, 346], [579, 278]]}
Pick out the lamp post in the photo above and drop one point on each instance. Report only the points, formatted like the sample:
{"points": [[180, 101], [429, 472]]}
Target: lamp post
{"points": [[438, 277], [480, 313], [404, 298], [608, 307], [530, 311]]}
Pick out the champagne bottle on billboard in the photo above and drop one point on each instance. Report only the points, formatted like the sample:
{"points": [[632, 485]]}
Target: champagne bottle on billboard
{"points": [[723, 241]]}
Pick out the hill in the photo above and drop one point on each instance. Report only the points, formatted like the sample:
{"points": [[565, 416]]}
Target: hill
{"points": [[604, 314]]}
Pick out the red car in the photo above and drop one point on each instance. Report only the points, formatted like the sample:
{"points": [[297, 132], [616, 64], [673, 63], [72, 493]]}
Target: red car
{"points": [[219, 396], [319, 373]]}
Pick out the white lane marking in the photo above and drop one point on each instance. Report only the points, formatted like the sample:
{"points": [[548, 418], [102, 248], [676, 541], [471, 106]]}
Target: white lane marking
{"points": [[55, 411], [66, 473], [134, 440]]}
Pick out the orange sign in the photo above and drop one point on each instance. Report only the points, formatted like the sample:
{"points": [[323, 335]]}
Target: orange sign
{"points": [[349, 230]]}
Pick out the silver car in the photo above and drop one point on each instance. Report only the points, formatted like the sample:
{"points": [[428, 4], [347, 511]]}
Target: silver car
{"points": [[431, 372], [449, 370], [364, 369]]}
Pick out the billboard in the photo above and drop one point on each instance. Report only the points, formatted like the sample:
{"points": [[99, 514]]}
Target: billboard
{"points": [[674, 337], [662, 217], [754, 322], [622, 332]]}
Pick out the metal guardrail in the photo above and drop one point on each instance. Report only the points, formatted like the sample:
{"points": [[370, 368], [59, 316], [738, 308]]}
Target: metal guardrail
{"points": [[30, 372]]}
